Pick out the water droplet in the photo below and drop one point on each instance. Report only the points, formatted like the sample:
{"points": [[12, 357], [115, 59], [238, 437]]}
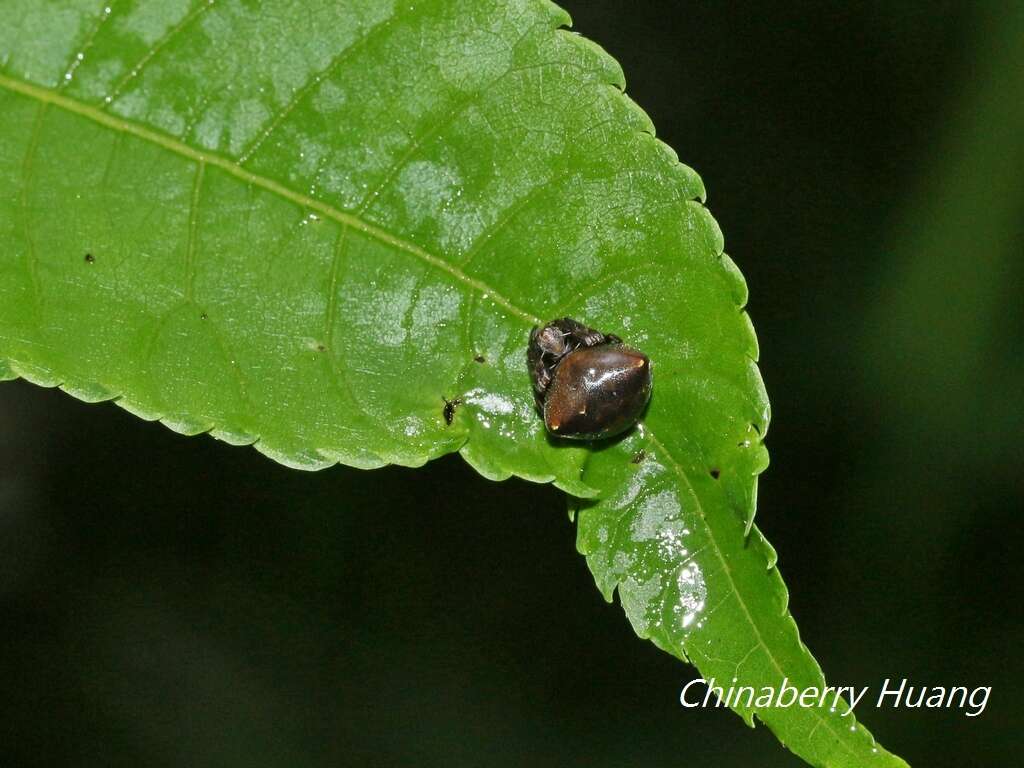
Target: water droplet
{"points": [[490, 402], [693, 592]]}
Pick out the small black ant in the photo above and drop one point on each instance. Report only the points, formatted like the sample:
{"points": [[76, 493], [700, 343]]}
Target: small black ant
{"points": [[449, 409]]}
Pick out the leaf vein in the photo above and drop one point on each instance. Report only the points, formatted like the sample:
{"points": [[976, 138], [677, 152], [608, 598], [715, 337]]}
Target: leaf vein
{"points": [[341, 373], [304, 90], [449, 117], [156, 48], [507, 217], [26, 185], [592, 288], [304, 201], [79, 56], [193, 231], [678, 468]]}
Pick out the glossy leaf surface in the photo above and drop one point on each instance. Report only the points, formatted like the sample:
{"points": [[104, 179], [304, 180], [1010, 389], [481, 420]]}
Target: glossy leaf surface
{"points": [[302, 226]]}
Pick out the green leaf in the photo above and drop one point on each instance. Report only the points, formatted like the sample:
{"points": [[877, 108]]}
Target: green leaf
{"points": [[302, 225]]}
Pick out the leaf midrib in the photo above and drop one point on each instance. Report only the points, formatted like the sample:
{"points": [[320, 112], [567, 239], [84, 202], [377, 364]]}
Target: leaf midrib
{"points": [[732, 583], [346, 218]]}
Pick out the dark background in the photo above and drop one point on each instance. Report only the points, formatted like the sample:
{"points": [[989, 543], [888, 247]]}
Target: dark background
{"points": [[173, 601]]}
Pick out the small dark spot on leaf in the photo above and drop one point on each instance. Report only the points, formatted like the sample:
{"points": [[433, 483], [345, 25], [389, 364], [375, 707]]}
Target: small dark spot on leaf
{"points": [[89, 258], [639, 456], [480, 358], [449, 409], [715, 473], [204, 316], [321, 348]]}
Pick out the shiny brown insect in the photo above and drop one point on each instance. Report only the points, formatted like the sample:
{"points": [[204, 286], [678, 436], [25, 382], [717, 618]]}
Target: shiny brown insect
{"points": [[587, 385]]}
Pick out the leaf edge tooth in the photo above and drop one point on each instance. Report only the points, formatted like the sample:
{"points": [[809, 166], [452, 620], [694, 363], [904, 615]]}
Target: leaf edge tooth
{"points": [[315, 459]]}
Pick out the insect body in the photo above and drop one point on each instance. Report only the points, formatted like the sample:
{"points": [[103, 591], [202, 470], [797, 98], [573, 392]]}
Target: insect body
{"points": [[588, 385], [449, 409]]}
